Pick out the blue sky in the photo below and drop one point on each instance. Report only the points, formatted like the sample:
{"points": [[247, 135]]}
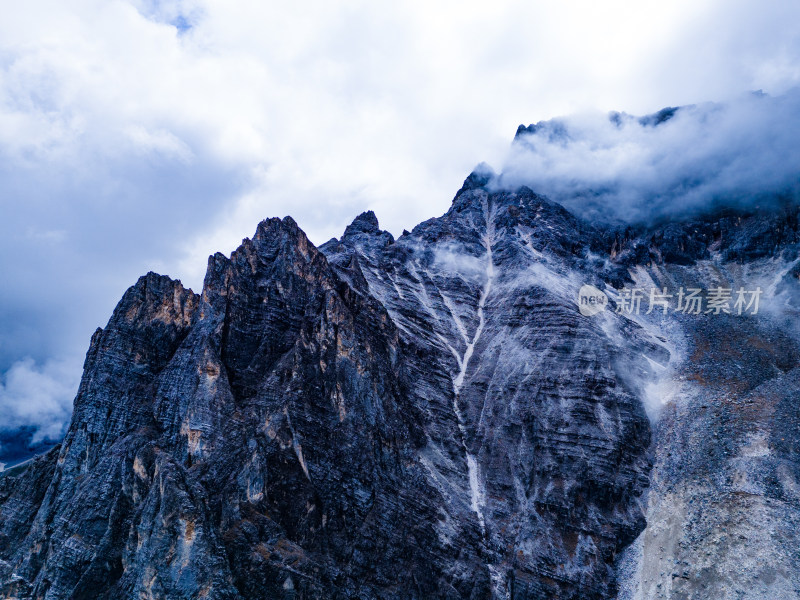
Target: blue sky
{"points": [[145, 135]]}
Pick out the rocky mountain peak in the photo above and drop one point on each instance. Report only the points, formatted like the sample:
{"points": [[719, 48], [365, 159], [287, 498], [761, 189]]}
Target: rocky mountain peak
{"points": [[276, 237], [366, 222], [480, 177], [363, 233], [158, 297]]}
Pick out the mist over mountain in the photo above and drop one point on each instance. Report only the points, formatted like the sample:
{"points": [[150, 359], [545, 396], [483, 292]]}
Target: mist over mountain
{"points": [[677, 163]]}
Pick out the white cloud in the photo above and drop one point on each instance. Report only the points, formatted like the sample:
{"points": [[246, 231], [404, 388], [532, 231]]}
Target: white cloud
{"points": [[161, 142], [741, 152], [39, 396]]}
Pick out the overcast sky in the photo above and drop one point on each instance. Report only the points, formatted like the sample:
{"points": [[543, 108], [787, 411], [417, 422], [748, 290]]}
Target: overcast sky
{"points": [[143, 135]]}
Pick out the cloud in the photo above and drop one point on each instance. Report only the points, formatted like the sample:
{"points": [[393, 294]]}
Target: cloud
{"points": [[676, 162], [38, 396], [451, 258]]}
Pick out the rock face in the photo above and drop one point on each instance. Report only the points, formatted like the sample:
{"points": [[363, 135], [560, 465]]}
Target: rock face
{"points": [[724, 503], [431, 417]]}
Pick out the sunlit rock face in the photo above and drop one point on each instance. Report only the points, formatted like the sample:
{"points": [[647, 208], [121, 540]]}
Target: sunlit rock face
{"points": [[433, 416]]}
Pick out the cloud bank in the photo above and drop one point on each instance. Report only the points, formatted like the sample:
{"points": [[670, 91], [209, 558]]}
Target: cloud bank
{"points": [[673, 163]]}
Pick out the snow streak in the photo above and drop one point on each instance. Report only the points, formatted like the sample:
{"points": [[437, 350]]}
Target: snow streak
{"points": [[477, 495]]}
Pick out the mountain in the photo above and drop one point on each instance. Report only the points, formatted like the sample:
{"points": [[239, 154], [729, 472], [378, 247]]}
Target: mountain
{"points": [[435, 416]]}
